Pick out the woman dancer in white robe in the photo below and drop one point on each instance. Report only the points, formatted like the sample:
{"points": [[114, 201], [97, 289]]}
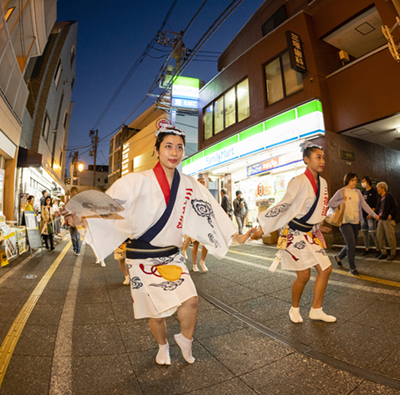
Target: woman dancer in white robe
{"points": [[160, 280], [302, 248]]}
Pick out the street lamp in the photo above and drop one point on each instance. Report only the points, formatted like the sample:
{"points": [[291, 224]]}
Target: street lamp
{"points": [[81, 166]]}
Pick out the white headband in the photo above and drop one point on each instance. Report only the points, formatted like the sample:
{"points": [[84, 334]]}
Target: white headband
{"points": [[309, 144], [170, 129]]}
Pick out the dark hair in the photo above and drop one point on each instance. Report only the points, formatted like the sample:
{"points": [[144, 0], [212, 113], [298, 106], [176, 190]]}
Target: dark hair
{"points": [[45, 202], [160, 138], [308, 151], [368, 179], [348, 177], [30, 197], [238, 192], [44, 191], [224, 191]]}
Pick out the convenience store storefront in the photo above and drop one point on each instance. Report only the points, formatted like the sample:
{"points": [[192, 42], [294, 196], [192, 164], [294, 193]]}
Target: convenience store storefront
{"points": [[261, 160]]}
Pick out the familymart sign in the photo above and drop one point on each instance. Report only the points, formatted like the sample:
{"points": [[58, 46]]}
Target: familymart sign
{"points": [[301, 122]]}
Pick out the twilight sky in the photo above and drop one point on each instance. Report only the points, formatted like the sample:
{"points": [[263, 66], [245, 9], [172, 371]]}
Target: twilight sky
{"points": [[112, 36]]}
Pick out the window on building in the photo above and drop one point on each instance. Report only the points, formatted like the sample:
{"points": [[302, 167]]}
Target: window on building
{"points": [[219, 115], [61, 153], [111, 146], [242, 93], [232, 107], [9, 12], [274, 21], [65, 119], [73, 53], [106, 181], [46, 127], [57, 74], [208, 122], [98, 180], [280, 79], [73, 82]]}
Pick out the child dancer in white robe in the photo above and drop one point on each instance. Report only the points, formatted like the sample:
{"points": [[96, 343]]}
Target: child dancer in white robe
{"points": [[160, 280], [301, 248]]}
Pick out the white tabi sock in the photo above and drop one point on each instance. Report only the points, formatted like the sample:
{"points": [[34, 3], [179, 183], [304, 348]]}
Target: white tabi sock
{"points": [[186, 347], [163, 357], [126, 282], [195, 268], [294, 314], [203, 266], [318, 314]]}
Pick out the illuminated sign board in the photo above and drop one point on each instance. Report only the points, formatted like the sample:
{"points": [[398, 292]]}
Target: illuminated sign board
{"points": [[274, 163], [299, 123], [185, 92]]}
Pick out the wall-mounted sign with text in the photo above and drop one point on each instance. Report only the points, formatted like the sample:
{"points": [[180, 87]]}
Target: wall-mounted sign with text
{"points": [[296, 53], [185, 92]]}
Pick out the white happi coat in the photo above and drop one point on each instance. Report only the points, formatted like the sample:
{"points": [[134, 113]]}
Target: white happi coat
{"points": [[196, 213], [302, 252]]}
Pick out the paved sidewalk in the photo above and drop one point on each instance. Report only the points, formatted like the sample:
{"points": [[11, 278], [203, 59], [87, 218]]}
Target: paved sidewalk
{"points": [[110, 352]]}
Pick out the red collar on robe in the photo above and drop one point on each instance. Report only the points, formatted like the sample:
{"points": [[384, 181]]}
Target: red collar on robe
{"points": [[162, 181], [311, 178]]}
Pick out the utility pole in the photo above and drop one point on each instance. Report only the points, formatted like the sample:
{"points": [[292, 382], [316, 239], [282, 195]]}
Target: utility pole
{"points": [[94, 139]]}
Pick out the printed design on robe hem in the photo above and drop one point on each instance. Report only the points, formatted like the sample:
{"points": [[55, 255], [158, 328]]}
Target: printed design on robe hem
{"points": [[322, 251], [300, 245], [163, 260], [212, 240], [136, 283], [169, 285], [203, 209], [275, 211], [294, 232]]}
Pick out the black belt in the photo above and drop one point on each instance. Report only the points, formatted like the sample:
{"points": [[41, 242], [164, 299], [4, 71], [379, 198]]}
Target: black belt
{"points": [[296, 224], [138, 249]]}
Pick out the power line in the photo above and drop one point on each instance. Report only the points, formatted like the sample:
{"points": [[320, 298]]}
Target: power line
{"points": [[134, 67]]}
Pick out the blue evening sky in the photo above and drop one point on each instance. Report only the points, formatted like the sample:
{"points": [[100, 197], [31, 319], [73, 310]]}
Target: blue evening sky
{"points": [[111, 37]]}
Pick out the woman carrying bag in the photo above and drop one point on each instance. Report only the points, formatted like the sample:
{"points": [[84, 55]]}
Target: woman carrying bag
{"points": [[47, 224], [354, 203]]}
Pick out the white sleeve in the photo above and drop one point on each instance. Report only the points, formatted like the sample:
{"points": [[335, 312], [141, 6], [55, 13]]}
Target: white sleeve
{"points": [[106, 234], [207, 222], [282, 213]]}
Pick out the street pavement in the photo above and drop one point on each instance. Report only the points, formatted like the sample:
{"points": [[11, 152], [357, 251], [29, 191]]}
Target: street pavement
{"points": [[81, 337]]}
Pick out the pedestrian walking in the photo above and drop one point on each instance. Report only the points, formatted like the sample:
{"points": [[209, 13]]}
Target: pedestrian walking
{"points": [[43, 198], [301, 244], [240, 209], [73, 230], [354, 204], [57, 219], [387, 211], [47, 224], [369, 225], [226, 203], [160, 206]]}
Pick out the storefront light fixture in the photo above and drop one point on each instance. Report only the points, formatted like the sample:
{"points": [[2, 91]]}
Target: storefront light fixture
{"points": [[398, 129], [81, 166]]}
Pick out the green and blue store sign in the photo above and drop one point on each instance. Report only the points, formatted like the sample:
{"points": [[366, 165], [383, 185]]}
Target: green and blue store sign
{"points": [[299, 123]]}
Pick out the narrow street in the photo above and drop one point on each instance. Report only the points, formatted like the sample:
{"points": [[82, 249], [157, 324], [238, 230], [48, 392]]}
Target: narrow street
{"points": [[80, 336]]}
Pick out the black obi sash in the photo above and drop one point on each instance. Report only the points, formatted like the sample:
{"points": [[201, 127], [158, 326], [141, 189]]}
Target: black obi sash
{"points": [[141, 247], [301, 223]]}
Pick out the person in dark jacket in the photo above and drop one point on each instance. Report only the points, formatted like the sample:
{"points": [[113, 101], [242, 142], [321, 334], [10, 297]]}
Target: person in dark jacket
{"points": [[368, 227], [225, 202], [240, 209], [387, 211]]}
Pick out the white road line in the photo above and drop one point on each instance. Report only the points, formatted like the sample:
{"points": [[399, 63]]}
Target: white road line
{"points": [[61, 370], [331, 282]]}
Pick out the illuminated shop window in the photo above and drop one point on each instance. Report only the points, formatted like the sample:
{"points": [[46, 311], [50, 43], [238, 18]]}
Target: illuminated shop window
{"points": [[280, 79], [228, 109], [242, 93], [219, 115], [208, 122]]}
